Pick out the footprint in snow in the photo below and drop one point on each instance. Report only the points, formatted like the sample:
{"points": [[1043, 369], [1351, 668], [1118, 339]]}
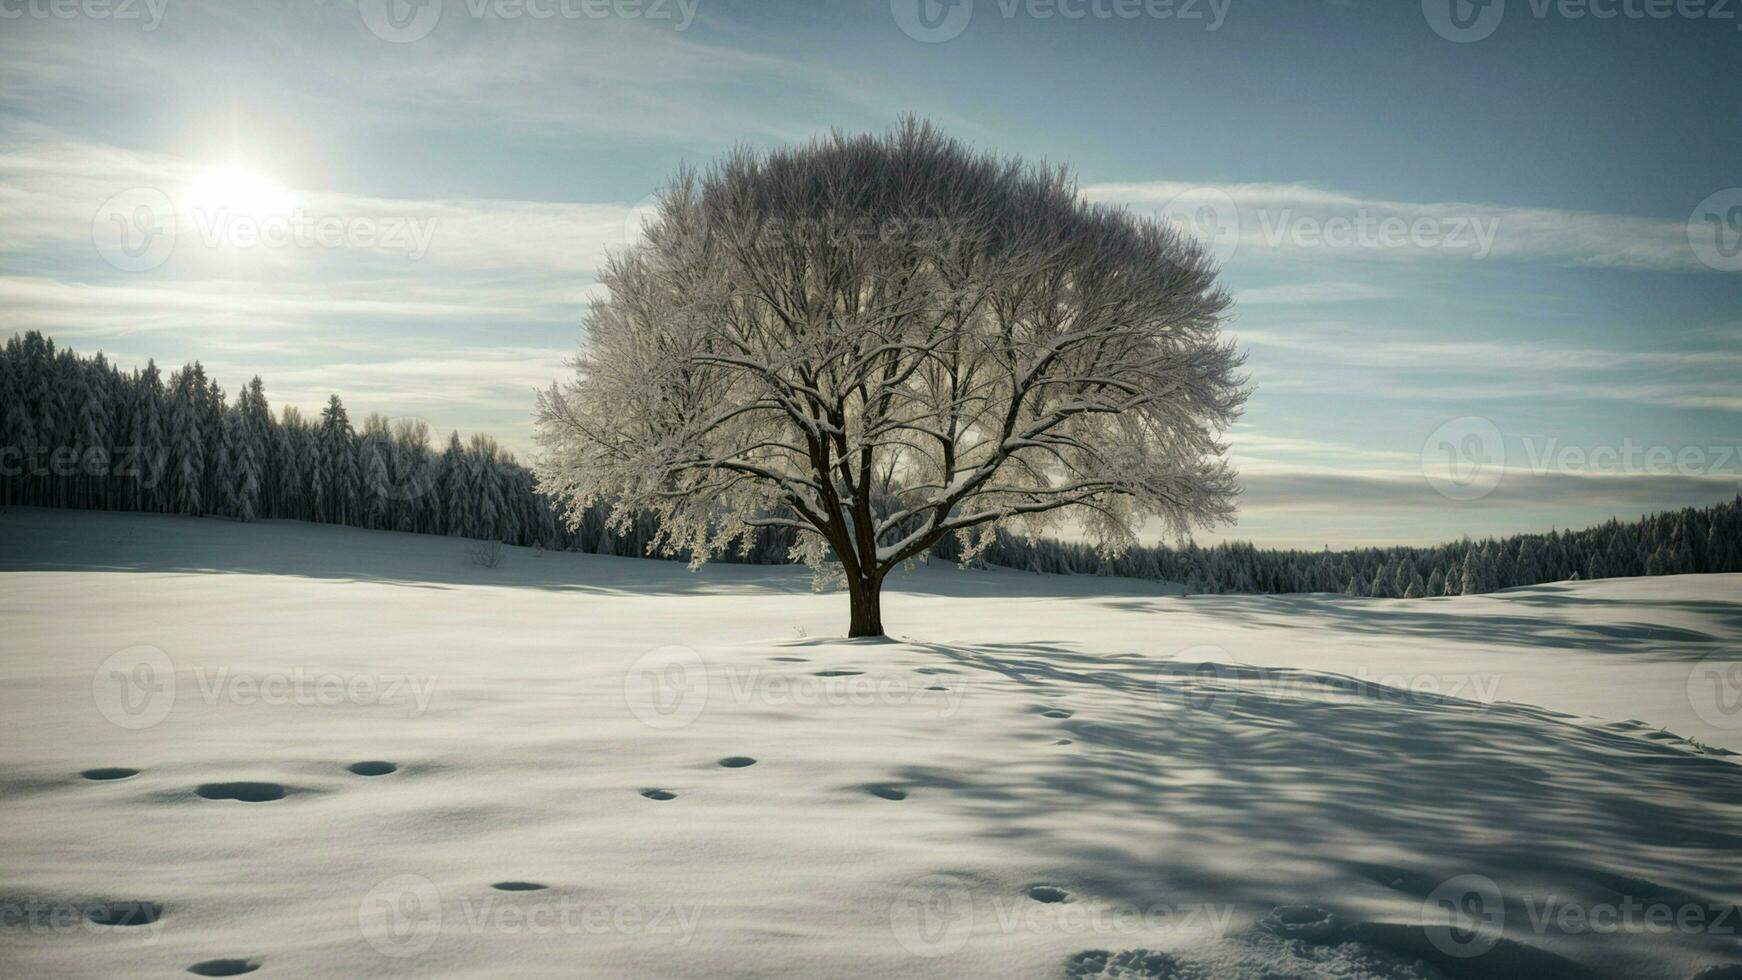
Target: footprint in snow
{"points": [[109, 772], [124, 913], [1308, 923], [737, 761], [839, 673], [224, 968], [659, 794], [886, 792], [372, 768], [518, 886], [245, 792], [1049, 894]]}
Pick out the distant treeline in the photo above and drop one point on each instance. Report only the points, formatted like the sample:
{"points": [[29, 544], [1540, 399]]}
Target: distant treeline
{"points": [[78, 432], [1696, 539]]}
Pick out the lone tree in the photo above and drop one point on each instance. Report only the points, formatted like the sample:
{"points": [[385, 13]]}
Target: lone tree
{"points": [[876, 341]]}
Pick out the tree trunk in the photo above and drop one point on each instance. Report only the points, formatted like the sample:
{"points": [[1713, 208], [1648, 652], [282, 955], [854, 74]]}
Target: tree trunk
{"points": [[866, 596]]}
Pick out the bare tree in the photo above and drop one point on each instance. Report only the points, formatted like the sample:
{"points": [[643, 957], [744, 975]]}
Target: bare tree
{"points": [[881, 340]]}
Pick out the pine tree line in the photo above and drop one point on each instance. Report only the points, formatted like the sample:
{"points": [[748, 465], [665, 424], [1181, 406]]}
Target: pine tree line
{"points": [[1695, 539], [78, 432]]}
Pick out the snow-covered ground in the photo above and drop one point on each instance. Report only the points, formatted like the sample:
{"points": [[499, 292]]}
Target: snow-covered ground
{"points": [[1033, 770]]}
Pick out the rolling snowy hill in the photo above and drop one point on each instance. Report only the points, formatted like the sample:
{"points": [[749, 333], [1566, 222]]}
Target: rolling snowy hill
{"points": [[609, 767]]}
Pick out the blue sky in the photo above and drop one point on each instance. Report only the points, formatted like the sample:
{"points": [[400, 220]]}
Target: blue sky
{"points": [[1479, 280]]}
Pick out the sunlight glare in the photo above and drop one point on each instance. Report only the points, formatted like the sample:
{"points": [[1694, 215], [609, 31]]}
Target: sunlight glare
{"points": [[236, 192]]}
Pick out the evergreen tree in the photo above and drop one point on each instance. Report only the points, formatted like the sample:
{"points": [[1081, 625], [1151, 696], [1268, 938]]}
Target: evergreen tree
{"points": [[338, 462]]}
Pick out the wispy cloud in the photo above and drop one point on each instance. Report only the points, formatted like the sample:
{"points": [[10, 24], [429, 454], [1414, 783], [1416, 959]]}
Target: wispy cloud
{"points": [[624, 78], [1256, 222], [1299, 293], [1406, 364], [57, 192], [1315, 492]]}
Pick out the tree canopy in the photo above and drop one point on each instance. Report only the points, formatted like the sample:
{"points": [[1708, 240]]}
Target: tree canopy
{"points": [[881, 340]]}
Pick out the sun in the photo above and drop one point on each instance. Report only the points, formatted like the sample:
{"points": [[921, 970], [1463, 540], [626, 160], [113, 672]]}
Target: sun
{"points": [[236, 192]]}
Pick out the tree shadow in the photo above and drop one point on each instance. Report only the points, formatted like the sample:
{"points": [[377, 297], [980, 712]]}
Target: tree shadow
{"points": [[1532, 617], [1261, 787]]}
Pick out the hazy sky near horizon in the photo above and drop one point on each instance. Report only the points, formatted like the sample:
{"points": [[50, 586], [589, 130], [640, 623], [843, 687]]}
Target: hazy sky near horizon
{"points": [[1505, 239]]}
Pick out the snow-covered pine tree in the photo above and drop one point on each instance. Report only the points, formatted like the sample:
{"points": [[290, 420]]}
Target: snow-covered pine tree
{"points": [[150, 445], [456, 481], [242, 481], [374, 451], [338, 461], [1477, 577], [187, 443]]}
